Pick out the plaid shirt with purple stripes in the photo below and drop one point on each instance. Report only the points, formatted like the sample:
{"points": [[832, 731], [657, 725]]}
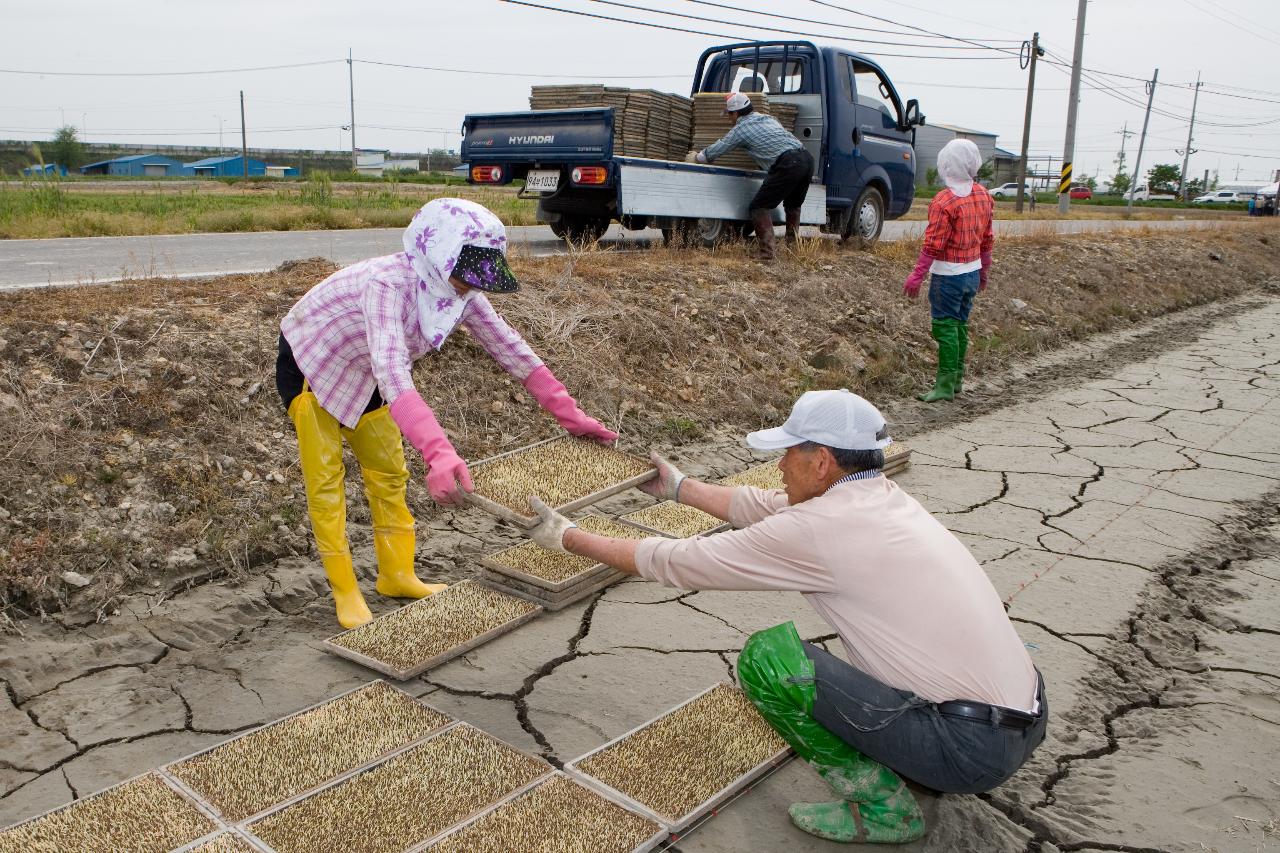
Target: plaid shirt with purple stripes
{"points": [[358, 330]]}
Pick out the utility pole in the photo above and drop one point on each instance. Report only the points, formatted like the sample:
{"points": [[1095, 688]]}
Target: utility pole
{"points": [[1142, 140], [1186, 156], [1125, 133], [351, 81], [1033, 50], [1069, 146], [244, 138]]}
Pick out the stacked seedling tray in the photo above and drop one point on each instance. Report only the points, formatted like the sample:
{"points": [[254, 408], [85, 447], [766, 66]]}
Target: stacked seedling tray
{"points": [[146, 814], [432, 630], [567, 473], [669, 518], [559, 814], [897, 458], [285, 759], [406, 800], [683, 764], [711, 122], [554, 579]]}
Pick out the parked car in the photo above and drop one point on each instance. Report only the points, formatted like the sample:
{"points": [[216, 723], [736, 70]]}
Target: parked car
{"points": [[1143, 193], [1219, 197], [1080, 192], [1009, 190]]}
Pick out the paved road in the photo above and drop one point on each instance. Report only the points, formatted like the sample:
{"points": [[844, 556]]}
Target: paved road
{"points": [[81, 260]]}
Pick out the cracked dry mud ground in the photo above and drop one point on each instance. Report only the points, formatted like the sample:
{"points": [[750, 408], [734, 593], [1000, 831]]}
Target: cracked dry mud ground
{"points": [[1126, 510]]}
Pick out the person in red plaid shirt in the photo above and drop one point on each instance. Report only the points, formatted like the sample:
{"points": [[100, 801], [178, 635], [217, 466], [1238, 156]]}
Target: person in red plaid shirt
{"points": [[957, 251]]}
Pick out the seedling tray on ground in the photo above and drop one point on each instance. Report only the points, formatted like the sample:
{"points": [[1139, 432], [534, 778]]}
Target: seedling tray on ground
{"points": [[686, 762], [432, 630], [302, 752], [229, 841], [567, 473], [558, 813], [145, 814], [404, 801], [554, 571], [555, 601], [669, 518]]}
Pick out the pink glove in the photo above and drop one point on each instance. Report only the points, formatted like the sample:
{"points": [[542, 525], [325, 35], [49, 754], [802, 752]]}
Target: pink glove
{"points": [[911, 287], [446, 470], [552, 396], [982, 276]]}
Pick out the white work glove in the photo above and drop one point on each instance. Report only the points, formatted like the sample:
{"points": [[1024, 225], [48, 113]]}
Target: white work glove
{"points": [[550, 533], [701, 157], [665, 486]]}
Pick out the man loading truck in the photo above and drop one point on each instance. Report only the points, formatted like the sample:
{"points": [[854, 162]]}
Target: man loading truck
{"points": [[939, 690], [780, 153]]}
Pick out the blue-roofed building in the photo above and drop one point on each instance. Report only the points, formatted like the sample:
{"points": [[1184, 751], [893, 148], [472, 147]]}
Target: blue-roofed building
{"points": [[224, 167], [48, 170], [136, 165]]}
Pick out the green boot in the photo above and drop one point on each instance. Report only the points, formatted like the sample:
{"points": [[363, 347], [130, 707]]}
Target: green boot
{"points": [[964, 348], [946, 332], [778, 677]]}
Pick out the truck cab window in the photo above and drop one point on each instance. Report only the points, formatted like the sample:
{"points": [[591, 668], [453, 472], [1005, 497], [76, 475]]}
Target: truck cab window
{"points": [[774, 77], [873, 91]]}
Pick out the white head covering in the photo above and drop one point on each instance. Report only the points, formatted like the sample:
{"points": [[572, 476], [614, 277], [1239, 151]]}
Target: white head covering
{"points": [[958, 164], [432, 241]]}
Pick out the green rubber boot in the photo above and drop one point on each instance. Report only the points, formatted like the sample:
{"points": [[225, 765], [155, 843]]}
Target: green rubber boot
{"points": [[778, 677], [946, 332], [964, 348]]}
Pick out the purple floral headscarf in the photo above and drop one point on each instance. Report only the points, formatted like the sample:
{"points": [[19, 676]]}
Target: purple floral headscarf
{"points": [[432, 241]]}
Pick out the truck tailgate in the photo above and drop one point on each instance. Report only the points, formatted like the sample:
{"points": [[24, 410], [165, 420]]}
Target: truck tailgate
{"points": [[547, 136]]}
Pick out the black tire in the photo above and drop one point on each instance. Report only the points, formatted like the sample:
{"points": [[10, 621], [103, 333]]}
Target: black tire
{"points": [[710, 233], [558, 229], [866, 220], [582, 230]]}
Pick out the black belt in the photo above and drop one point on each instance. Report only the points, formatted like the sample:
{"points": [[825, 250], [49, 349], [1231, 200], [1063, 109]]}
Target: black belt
{"points": [[1006, 717]]}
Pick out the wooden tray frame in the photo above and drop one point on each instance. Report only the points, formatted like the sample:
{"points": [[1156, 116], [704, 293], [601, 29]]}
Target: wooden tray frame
{"points": [[648, 844], [530, 521], [624, 519], [605, 579], [678, 824], [448, 654]]}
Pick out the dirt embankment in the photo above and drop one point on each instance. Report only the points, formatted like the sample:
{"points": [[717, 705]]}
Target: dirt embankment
{"points": [[144, 442]]}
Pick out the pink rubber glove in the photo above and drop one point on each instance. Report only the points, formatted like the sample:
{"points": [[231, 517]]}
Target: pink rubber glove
{"points": [[982, 276], [445, 469], [552, 396], [911, 286]]}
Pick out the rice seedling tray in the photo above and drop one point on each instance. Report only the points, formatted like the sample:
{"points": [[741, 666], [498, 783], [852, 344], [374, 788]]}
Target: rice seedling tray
{"points": [[432, 630], [225, 841], [554, 571], [669, 518], [717, 727], [567, 473], [303, 752], [556, 601], [145, 814], [405, 800], [557, 813]]}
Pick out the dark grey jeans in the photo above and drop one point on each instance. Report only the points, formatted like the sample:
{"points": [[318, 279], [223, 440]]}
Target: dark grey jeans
{"points": [[956, 755]]}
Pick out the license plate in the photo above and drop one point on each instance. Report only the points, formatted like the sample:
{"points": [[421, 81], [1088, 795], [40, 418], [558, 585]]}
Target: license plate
{"points": [[544, 181]]}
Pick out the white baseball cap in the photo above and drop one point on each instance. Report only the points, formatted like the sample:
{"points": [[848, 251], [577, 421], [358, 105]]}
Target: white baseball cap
{"points": [[735, 101], [839, 419]]}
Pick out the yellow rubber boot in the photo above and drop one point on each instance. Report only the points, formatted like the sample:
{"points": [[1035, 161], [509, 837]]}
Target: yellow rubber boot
{"points": [[377, 444], [320, 453]]}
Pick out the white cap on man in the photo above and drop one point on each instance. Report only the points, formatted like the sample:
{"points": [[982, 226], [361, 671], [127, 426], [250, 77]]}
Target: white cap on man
{"points": [[839, 419], [735, 101]]}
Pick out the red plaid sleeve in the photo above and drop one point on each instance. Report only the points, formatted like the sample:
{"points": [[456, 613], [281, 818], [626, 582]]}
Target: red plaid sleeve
{"points": [[960, 229]]}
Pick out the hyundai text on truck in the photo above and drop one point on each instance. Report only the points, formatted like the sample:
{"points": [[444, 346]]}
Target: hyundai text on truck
{"points": [[851, 119]]}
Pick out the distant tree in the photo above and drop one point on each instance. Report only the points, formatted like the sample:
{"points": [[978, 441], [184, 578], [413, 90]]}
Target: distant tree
{"points": [[66, 149], [931, 177], [1164, 177], [1120, 183], [1091, 183], [1195, 187], [986, 171]]}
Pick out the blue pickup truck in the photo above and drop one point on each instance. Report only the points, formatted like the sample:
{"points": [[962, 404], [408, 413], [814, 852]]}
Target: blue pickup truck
{"points": [[860, 132]]}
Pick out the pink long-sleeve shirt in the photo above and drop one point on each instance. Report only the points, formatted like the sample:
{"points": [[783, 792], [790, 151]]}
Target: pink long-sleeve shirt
{"points": [[358, 330], [911, 605]]}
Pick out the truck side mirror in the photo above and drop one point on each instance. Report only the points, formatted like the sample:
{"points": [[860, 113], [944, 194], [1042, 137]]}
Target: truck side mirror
{"points": [[912, 117]]}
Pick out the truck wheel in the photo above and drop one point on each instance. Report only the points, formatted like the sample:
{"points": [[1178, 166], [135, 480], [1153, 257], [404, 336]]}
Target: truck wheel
{"points": [[866, 220], [581, 229], [712, 232]]}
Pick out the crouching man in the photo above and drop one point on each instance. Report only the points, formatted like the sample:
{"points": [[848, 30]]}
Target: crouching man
{"points": [[940, 689]]}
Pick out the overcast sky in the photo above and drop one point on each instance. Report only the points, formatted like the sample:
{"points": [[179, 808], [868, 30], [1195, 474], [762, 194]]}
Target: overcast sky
{"points": [[1235, 44]]}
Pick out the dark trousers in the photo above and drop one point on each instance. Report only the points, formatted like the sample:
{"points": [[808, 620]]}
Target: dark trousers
{"points": [[787, 182], [289, 379], [910, 735]]}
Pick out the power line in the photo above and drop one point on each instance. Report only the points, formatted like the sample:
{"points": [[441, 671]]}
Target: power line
{"points": [[910, 26], [814, 21], [525, 74], [1230, 23], [168, 73]]}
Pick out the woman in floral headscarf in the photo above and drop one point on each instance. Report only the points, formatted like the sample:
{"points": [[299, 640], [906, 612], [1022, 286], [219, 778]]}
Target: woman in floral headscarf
{"points": [[347, 350]]}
